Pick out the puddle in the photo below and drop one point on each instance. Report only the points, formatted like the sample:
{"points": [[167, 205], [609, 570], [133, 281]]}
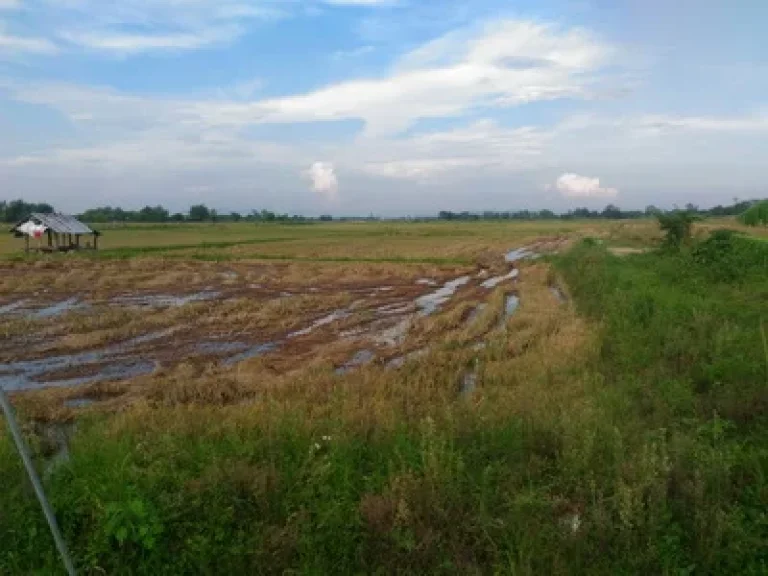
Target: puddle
{"points": [[426, 282], [493, 282], [468, 383], [214, 347], [12, 306], [165, 300], [121, 370], [393, 335], [523, 253], [79, 402], [143, 339], [400, 361], [252, 352], [476, 311], [396, 308], [110, 364], [58, 308], [559, 294], [324, 321], [361, 358], [430, 303], [511, 305]]}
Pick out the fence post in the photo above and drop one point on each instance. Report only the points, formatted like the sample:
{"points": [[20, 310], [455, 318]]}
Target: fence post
{"points": [[23, 449]]}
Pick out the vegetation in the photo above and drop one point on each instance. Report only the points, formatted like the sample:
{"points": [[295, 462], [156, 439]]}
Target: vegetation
{"points": [[756, 215], [623, 433], [14, 211], [677, 227]]}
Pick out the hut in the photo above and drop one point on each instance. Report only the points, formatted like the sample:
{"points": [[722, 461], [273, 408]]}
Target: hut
{"points": [[63, 232]]}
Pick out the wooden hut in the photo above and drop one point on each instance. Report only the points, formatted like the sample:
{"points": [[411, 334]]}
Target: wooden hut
{"points": [[55, 232]]}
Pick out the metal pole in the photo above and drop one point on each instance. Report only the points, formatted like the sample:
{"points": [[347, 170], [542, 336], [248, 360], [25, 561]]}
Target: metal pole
{"points": [[23, 449]]}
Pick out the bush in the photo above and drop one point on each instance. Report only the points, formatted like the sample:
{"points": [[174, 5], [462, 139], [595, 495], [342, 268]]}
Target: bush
{"points": [[677, 226]]}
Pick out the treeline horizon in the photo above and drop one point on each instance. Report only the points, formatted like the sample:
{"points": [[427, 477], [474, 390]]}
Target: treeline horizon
{"points": [[14, 211]]}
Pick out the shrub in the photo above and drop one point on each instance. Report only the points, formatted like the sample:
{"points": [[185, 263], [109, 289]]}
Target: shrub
{"points": [[677, 226]]}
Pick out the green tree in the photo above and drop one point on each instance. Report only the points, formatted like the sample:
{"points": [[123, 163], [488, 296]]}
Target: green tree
{"points": [[677, 226], [756, 215], [199, 213]]}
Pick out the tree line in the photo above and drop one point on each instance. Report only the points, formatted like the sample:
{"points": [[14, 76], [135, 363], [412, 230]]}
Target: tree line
{"points": [[196, 213], [610, 212], [13, 211]]}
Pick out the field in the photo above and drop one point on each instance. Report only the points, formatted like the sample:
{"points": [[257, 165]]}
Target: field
{"points": [[490, 397]]}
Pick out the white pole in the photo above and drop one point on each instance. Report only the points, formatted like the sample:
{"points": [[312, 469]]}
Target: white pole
{"points": [[23, 449]]}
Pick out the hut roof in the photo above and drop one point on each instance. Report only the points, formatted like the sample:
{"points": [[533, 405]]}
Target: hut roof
{"points": [[59, 223]]}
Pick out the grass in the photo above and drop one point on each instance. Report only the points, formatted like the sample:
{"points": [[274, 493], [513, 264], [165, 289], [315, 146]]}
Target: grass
{"points": [[622, 432]]}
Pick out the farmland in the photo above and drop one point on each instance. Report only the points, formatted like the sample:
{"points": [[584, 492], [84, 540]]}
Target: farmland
{"points": [[538, 397]]}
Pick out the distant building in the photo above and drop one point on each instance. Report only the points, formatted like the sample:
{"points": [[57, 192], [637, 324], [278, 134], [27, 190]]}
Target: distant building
{"points": [[55, 232]]}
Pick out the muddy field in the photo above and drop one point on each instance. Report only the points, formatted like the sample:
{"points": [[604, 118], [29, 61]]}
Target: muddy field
{"points": [[83, 332]]}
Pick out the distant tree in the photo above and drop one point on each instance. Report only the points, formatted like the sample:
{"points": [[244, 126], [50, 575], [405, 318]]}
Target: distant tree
{"points": [[199, 213], [235, 217], [756, 215], [612, 211], [326, 218], [152, 214], [178, 217], [651, 210], [17, 209], [268, 216], [214, 215]]}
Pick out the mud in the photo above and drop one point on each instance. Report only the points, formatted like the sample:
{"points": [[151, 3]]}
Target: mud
{"points": [[164, 300]]}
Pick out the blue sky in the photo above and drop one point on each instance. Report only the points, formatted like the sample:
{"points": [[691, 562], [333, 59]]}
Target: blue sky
{"points": [[384, 106]]}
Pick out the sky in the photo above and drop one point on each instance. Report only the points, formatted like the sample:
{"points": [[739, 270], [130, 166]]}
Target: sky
{"points": [[390, 107]]}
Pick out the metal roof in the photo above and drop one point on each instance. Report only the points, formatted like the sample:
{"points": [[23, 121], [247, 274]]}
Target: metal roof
{"points": [[59, 223]]}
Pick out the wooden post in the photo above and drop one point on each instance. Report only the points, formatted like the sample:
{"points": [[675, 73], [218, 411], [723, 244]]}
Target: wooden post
{"points": [[77, 240], [95, 242], [26, 243], [50, 238]]}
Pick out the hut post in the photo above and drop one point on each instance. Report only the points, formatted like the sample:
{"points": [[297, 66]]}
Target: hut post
{"points": [[77, 240], [26, 243], [50, 238], [95, 241]]}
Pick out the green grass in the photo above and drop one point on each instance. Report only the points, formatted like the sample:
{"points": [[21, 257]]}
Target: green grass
{"points": [[659, 469]]}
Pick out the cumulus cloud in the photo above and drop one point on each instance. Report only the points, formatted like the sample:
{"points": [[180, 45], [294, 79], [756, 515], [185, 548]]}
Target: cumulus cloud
{"points": [[574, 186], [324, 180]]}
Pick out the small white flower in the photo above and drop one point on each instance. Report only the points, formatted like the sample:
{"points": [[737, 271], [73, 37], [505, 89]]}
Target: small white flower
{"points": [[317, 446], [326, 438]]}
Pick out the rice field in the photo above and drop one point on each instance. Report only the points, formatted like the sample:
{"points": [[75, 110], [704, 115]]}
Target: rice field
{"points": [[378, 397]]}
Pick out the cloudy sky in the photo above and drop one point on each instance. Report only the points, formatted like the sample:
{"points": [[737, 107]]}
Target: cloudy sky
{"points": [[384, 106]]}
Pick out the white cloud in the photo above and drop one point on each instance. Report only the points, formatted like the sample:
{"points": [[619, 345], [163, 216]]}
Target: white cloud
{"points": [[499, 65], [135, 43], [361, 2], [574, 186], [9, 4], [137, 26], [324, 179], [17, 44]]}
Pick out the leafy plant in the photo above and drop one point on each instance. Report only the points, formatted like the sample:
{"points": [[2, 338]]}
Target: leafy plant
{"points": [[677, 226], [756, 215]]}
